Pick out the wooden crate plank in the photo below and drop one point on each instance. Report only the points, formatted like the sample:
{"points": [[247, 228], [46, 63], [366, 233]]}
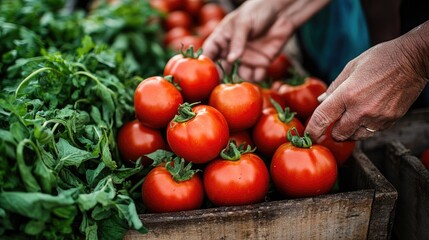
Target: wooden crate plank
{"points": [[383, 209], [332, 216], [395, 152]]}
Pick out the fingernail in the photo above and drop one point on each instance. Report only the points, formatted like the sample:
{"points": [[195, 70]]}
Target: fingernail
{"points": [[232, 57], [322, 97]]}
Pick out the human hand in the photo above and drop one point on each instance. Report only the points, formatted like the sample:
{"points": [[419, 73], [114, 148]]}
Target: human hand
{"points": [[374, 90], [256, 32]]}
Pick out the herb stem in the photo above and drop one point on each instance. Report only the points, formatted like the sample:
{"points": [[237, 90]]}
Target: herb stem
{"points": [[29, 77]]}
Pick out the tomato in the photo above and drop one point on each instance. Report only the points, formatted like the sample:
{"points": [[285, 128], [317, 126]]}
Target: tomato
{"points": [[211, 11], [195, 73], [341, 150], [300, 94], [271, 129], [199, 135], [136, 140], [424, 157], [267, 94], [303, 171], [206, 29], [193, 7], [240, 103], [242, 137], [178, 19], [156, 101], [279, 67], [238, 180], [186, 42], [162, 192], [160, 5], [174, 34]]}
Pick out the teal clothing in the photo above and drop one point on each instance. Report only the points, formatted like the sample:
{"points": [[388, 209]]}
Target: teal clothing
{"points": [[334, 36]]}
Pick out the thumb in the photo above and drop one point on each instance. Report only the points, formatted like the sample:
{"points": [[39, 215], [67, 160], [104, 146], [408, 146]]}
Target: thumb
{"points": [[325, 114]]}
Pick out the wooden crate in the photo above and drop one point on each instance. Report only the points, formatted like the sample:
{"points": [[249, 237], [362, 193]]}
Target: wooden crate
{"points": [[395, 152], [363, 209]]}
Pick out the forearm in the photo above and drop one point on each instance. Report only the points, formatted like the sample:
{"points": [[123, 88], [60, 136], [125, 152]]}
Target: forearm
{"points": [[299, 11], [415, 47]]}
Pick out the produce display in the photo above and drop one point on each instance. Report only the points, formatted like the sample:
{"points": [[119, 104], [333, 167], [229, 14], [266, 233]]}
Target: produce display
{"points": [[102, 119]]}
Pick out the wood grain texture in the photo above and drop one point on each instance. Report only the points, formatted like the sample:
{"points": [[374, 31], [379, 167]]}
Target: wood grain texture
{"points": [[332, 216], [395, 152], [362, 212]]}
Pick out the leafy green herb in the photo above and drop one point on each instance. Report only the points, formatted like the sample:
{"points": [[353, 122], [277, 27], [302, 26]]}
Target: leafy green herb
{"points": [[67, 85]]}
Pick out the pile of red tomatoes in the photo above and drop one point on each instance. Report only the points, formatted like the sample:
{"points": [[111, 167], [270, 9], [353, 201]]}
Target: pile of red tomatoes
{"points": [[226, 140], [188, 22]]}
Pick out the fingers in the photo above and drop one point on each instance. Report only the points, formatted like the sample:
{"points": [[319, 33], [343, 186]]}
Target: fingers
{"points": [[251, 74], [325, 114], [238, 42]]}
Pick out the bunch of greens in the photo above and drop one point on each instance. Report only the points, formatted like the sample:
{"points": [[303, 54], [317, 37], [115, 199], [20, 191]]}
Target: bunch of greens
{"points": [[67, 84]]}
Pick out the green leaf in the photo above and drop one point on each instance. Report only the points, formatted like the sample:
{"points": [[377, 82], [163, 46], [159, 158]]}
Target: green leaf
{"points": [[129, 212], [106, 156], [34, 227], [92, 175], [33, 205], [71, 156], [112, 228], [18, 131], [104, 194], [87, 46]]}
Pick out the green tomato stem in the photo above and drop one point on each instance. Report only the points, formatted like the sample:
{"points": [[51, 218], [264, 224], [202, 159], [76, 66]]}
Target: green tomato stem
{"points": [[233, 153], [284, 115], [297, 141], [185, 112]]}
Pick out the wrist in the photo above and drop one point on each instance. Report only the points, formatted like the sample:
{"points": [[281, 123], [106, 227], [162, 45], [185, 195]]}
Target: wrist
{"points": [[415, 47]]}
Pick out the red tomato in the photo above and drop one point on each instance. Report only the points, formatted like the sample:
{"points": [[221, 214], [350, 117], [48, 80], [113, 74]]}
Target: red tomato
{"points": [[267, 94], [136, 140], [279, 67], [200, 138], [173, 5], [193, 7], [175, 33], [211, 11], [206, 29], [236, 182], [301, 94], [303, 172], [271, 129], [178, 19], [242, 137], [196, 75], [424, 157], [156, 101], [185, 42], [160, 5], [341, 150], [240, 103], [162, 193]]}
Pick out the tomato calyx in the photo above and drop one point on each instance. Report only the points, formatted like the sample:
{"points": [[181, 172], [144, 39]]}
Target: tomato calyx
{"points": [[185, 112], [298, 141], [170, 79], [179, 172], [296, 79], [174, 164], [160, 156], [284, 115], [233, 77], [233, 152], [190, 53]]}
